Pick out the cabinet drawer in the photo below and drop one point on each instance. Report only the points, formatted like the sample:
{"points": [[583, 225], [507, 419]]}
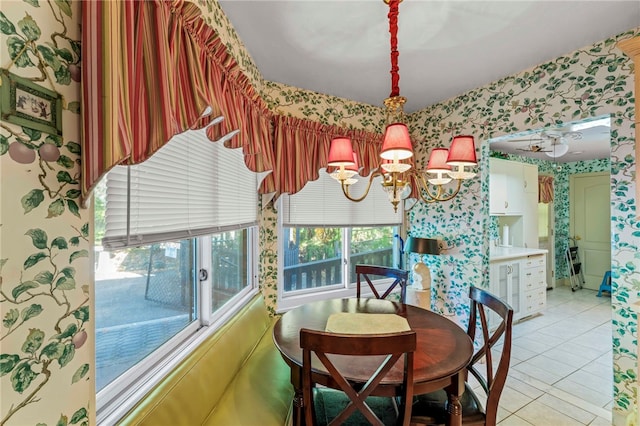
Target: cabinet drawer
{"points": [[534, 278], [535, 262], [535, 301]]}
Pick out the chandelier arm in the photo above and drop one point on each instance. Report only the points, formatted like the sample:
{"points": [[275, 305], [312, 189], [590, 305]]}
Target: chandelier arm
{"points": [[424, 186], [345, 188]]}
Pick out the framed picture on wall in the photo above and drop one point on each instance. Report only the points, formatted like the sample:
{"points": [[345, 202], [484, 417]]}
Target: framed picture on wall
{"points": [[28, 104]]}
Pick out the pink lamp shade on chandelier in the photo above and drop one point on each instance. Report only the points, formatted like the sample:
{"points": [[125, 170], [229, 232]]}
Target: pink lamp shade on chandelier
{"points": [[355, 166], [396, 143], [438, 161], [438, 165], [341, 153], [462, 152]]}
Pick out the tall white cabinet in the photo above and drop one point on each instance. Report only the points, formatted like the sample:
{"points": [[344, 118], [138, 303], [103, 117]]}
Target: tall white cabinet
{"points": [[513, 197]]}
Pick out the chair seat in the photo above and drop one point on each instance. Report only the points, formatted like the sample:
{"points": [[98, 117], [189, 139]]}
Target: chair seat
{"points": [[329, 402], [431, 408]]}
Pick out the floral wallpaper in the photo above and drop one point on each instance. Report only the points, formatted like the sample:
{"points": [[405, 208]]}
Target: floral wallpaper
{"points": [[46, 334]]}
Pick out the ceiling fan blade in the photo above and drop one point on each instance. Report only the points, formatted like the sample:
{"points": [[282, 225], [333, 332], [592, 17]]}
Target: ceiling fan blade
{"points": [[526, 140], [532, 150]]}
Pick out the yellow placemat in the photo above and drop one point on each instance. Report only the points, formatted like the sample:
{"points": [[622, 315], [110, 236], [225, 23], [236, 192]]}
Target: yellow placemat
{"points": [[355, 323]]}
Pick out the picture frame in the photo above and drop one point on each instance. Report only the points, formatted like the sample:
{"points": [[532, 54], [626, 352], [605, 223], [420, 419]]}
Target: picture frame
{"points": [[25, 103]]}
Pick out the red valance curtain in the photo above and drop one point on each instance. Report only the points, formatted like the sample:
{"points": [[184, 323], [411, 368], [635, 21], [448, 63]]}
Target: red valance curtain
{"points": [[150, 70], [545, 189], [138, 88], [302, 149]]}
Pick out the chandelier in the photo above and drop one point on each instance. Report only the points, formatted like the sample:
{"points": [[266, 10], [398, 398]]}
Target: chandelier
{"points": [[395, 168]]}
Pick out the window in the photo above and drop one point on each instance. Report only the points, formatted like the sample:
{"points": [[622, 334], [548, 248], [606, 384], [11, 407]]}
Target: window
{"points": [[313, 256], [323, 235], [144, 296], [176, 255], [231, 265]]}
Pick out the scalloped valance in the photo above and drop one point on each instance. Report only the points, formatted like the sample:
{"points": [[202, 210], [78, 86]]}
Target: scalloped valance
{"points": [[151, 68]]}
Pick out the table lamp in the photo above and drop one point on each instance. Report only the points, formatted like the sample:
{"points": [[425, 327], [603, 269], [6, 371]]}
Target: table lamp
{"points": [[421, 272]]}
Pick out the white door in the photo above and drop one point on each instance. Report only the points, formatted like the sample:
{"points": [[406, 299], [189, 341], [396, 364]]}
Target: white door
{"points": [[590, 224]]}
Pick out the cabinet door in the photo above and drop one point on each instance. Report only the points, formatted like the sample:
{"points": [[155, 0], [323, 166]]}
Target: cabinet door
{"points": [[530, 220], [515, 299], [501, 282], [530, 177], [499, 287], [497, 187], [530, 206], [506, 281], [505, 186], [515, 188]]}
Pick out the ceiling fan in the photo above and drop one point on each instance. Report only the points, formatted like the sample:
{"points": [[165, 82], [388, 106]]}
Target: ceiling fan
{"points": [[552, 136], [556, 139], [534, 148]]}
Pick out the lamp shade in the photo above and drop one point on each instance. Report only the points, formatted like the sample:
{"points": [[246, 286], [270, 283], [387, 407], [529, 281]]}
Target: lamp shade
{"points": [[340, 152], [353, 167], [462, 151], [558, 150], [396, 143], [438, 161], [422, 245]]}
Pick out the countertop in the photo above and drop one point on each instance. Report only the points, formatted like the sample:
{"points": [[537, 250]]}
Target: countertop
{"points": [[503, 253]]}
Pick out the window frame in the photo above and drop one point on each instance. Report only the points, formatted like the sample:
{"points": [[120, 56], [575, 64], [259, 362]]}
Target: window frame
{"points": [[290, 300], [119, 396]]}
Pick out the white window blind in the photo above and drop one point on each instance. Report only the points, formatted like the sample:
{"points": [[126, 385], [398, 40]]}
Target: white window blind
{"points": [[322, 203], [190, 187]]}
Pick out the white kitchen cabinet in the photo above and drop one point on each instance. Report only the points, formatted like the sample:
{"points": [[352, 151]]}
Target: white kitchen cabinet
{"points": [[518, 276], [506, 187], [530, 235], [506, 283], [513, 192], [530, 178], [530, 206]]}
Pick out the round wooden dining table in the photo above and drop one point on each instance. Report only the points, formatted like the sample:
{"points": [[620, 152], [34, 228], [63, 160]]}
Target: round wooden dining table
{"points": [[443, 348]]}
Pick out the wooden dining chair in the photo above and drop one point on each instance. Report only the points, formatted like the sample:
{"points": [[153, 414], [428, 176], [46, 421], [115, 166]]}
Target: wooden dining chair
{"points": [[373, 272], [391, 347], [431, 409]]}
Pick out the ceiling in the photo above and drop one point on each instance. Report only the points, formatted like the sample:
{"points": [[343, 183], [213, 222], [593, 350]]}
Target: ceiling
{"points": [[342, 48]]}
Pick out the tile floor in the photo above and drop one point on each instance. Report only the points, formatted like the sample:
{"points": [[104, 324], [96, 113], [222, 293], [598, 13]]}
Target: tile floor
{"points": [[561, 364]]}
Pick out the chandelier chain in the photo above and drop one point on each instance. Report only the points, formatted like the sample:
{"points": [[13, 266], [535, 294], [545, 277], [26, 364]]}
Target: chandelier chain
{"points": [[393, 30]]}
